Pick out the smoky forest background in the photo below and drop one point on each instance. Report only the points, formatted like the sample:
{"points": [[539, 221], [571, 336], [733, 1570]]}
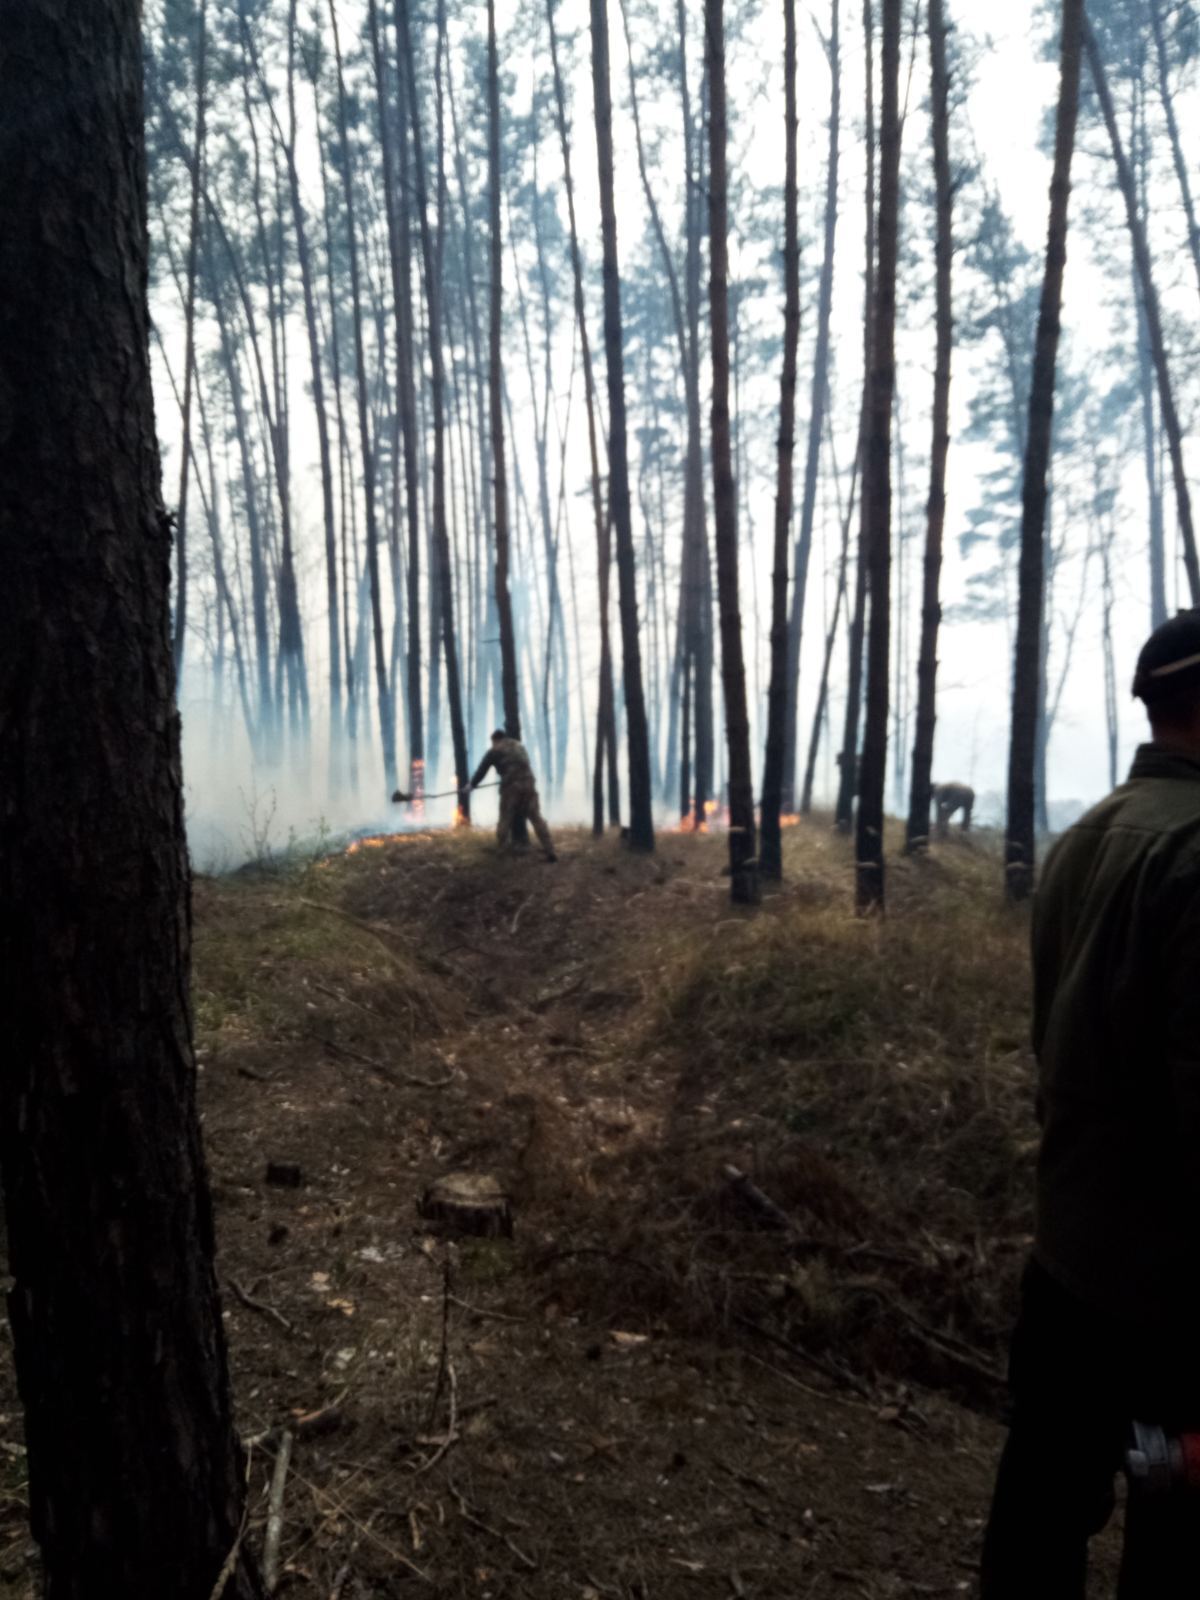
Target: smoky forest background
{"points": [[408, 506], [780, 418]]}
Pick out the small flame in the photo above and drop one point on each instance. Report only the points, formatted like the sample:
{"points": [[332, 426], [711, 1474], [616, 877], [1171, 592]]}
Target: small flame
{"points": [[417, 779], [374, 841]]}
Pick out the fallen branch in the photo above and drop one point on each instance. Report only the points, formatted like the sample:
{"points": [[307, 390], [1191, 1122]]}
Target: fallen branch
{"points": [[275, 1513], [480, 1311], [468, 1515], [261, 1306], [451, 1436], [305, 1425], [384, 1071], [762, 1203], [363, 1529], [516, 921], [834, 1373]]}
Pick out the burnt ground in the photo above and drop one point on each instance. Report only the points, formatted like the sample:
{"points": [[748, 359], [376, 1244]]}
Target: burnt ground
{"points": [[655, 1389]]}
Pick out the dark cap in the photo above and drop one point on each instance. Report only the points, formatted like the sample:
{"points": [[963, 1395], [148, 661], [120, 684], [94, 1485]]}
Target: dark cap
{"points": [[1169, 664], [499, 733]]}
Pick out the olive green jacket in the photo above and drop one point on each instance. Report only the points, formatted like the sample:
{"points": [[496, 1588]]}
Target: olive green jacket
{"points": [[1116, 961], [510, 761]]}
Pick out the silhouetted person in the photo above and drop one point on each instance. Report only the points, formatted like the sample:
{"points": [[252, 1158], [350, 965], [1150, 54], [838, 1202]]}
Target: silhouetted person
{"points": [[949, 798], [1107, 1332]]}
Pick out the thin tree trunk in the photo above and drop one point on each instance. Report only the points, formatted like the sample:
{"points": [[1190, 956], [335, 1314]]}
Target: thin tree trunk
{"points": [[920, 797], [431, 251], [877, 483], [1019, 845], [319, 405], [820, 714], [771, 848], [508, 646], [189, 359], [136, 1478], [816, 424], [387, 726], [605, 716], [641, 819], [1141, 247], [848, 764], [743, 852], [1168, 105]]}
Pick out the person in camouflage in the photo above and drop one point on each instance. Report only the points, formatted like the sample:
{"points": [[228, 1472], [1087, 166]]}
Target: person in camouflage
{"points": [[509, 759]]}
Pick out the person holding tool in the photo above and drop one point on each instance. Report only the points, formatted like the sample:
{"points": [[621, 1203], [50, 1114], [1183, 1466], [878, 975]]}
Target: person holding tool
{"points": [[509, 759], [1105, 1364]]}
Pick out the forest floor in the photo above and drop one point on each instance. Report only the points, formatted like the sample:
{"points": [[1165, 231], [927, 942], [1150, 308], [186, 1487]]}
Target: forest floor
{"points": [[654, 1390]]}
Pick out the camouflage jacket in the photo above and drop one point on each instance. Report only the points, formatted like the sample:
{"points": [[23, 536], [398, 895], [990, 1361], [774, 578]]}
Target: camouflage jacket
{"points": [[509, 760]]}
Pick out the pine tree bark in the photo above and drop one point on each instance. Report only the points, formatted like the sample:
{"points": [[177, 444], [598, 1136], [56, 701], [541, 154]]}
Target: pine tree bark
{"points": [[432, 254], [743, 851], [877, 483], [136, 1478], [320, 409], [1019, 844], [189, 357], [921, 793], [816, 425], [641, 819], [1167, 97], [606, 734], [1150, 304], [771, 846], [810, 766], [508, 645], [387, 724], [848, 756]]}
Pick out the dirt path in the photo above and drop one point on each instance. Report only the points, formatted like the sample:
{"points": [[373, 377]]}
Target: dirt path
{"points": [[605, 1406]]}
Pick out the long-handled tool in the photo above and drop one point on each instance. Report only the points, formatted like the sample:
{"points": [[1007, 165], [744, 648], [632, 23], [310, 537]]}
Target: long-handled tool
{"points": [[401, 798]]}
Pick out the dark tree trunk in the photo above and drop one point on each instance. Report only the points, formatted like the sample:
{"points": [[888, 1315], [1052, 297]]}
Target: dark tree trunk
{"points": [[848, 756], [816, 425], [432, 254], [743, 853], [393, 153], [1019, 844], [877, 483], [189, 358], [1158, 348], [696, 514], [265, 721], [920, 796], [771, 848], [406, 366], [387, 725], [1154, 484], [136, 1479], [606, 733], [304, 255], [641, 819], [1168, 105], [508, 644], [820, 714]]}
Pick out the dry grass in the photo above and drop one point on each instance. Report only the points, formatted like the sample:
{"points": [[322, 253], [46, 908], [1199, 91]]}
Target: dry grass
{"points": [[874, 1079]]}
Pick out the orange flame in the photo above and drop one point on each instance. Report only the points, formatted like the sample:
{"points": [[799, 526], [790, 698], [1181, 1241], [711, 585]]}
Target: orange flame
{"points": [[417, 779], [374, 841]]}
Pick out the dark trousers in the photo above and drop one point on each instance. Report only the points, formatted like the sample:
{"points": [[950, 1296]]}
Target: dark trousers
{"points": [[1078, 1381]]}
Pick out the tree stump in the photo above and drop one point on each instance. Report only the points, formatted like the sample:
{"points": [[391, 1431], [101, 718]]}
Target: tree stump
{"points": [[471, 1203]]}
